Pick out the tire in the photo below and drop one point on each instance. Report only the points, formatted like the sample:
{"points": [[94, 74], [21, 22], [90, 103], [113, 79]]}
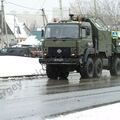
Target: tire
{"points": [[88, 69], [115, 68], [63, 75], [98, 67], [51, 71]]}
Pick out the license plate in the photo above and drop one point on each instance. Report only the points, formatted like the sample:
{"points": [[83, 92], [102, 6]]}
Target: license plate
{"points": [[58, 59]]}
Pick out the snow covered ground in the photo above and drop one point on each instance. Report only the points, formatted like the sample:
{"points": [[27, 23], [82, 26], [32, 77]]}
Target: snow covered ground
{"points": [[19, 66], [109, 112]]}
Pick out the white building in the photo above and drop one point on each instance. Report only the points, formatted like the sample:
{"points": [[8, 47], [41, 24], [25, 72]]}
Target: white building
{"points": [[19, 29], [32, 20], [6, 35]]}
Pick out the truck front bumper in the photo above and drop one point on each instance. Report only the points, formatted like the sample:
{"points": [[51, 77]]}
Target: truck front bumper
{"points": [[64, 61]]}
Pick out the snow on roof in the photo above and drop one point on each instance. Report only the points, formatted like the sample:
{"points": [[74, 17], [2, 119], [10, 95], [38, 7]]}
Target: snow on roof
{"points": [[31, 40], [16, 27]]}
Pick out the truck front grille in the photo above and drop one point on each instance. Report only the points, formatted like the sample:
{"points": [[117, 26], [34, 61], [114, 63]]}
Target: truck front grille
{"points": [[59, 52]]}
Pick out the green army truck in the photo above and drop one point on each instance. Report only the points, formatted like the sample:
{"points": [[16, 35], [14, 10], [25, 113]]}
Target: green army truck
{"points": [[85, 46]]}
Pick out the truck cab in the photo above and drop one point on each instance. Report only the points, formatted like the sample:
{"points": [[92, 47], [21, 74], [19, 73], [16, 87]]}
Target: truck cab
{"points": [[67, 40], [84, 45]]}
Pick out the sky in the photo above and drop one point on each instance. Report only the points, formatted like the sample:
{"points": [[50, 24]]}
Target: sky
{"points": [[33, 6], [48, 5]]}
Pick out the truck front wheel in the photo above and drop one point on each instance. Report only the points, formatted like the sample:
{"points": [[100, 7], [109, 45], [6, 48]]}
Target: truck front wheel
{"points": [[63, 75], [88, 69], [51, 71], [115, 68]]}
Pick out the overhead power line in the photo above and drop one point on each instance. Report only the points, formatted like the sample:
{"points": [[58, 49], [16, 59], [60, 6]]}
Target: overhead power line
{"points": [[43, 3], [21, 6], [25, 7]]}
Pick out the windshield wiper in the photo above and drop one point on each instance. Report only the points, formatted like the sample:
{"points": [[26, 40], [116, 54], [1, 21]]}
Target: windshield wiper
{"points": [[51, 38], [66, 38]]}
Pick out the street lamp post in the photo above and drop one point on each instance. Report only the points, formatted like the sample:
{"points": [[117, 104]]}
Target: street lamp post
{"points": [[95, 8], [61, 11]]}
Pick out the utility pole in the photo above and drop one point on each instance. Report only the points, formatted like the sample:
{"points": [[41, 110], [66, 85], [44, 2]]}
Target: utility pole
{"points": [[3, 25], [61, 10], [95, 8], [44, 17]]}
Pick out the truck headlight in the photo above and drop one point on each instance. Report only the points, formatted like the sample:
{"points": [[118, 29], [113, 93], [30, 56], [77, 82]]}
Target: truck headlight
{"points": [[90, 44], [73, 51], [73, 54], [45, 54]]}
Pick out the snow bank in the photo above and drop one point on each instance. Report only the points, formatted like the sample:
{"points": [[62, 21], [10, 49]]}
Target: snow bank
{"points": [[19, 66], [109, 112], [31, 40]]}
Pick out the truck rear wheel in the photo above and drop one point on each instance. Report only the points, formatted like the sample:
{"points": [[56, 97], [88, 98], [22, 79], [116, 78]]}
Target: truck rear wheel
{"points": [[115, 68], [51, 71], [88, 70], [98, 67]]}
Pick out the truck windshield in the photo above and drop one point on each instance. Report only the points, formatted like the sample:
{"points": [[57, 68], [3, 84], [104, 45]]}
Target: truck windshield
{"points": [[62, 31]]}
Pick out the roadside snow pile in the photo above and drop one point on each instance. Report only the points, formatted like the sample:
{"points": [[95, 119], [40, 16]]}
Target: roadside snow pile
{"points": [[31, 40], [19, 66], [109, 112]]}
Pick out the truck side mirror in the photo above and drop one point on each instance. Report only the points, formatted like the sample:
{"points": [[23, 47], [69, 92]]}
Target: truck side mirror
{"points": [[87, 31], [42, 33]]}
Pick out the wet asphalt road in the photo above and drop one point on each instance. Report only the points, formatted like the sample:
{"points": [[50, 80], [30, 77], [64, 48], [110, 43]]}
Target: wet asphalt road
{"points": [[37, 98]]}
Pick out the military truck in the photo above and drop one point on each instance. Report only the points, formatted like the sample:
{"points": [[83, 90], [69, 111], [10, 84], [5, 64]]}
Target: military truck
{"points": [[84, 45]]}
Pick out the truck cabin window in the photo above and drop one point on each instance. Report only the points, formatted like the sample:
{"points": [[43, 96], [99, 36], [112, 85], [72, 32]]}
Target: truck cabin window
{"points": [[62, 31]]}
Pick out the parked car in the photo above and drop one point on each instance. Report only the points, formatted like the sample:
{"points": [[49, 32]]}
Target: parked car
{"points": [[36, 52], [22, 51], [16, 51]]}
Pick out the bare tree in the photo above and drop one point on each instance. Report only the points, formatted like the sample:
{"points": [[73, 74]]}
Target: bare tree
{"points": [[33, 26], [111, 9], [108, 10], [82, 7]]}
